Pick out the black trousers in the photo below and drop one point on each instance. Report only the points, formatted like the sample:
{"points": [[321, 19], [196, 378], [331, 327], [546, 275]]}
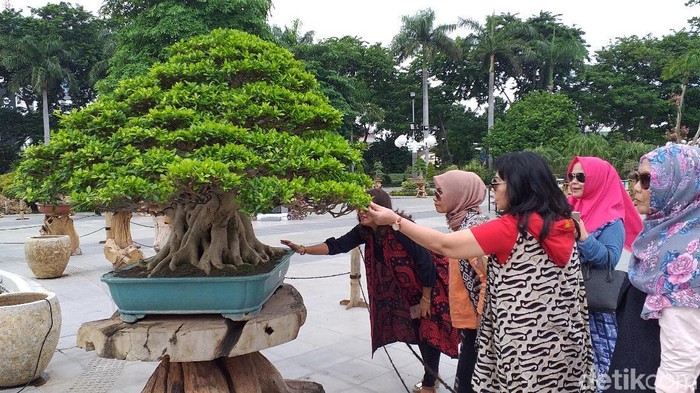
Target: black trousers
{"points": [[431, 359], [466, 361]]}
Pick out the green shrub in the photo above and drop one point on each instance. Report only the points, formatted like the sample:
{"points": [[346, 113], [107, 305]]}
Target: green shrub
{"points": [[486, 174], [395, 178], [5, 183]]}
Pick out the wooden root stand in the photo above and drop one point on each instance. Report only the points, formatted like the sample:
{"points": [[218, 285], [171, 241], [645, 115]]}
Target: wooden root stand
{"points": [[246, 373], [57, 221], [206, 353]]}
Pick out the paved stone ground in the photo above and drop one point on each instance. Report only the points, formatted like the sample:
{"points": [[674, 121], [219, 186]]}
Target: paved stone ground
{"points": [[333, 347]]}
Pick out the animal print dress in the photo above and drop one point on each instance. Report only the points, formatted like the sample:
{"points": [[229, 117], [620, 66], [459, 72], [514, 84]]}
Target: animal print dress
{"points": [[534, 334]]}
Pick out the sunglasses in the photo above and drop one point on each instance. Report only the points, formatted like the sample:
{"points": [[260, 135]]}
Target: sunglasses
{"points": [[438, 193], [495, 183], [644, 179], [580, 177]]}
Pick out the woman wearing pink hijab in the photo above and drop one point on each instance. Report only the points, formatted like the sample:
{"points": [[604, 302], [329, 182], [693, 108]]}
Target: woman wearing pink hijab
{"points": [[608, 221]]}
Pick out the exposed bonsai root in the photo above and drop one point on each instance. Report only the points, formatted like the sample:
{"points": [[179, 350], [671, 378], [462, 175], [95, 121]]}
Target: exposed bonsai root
{"points": [[210, 235]]}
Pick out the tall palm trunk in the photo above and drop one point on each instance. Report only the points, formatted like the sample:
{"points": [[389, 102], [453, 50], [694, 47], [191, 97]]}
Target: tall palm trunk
{"points": [[550, 77], [492, 73], [45, 113]]}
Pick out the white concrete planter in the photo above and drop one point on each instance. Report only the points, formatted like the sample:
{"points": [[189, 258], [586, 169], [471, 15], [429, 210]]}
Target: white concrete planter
{"points": [[47, 255], [31, 325]]}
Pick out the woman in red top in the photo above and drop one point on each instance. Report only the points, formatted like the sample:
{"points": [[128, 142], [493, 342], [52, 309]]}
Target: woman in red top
{"points": [[533, 335]]}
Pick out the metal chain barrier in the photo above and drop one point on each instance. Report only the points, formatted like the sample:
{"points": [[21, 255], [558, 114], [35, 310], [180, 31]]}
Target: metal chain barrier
{"points": [[40, 225], [312, 277], [143, 225], [141, 244]]}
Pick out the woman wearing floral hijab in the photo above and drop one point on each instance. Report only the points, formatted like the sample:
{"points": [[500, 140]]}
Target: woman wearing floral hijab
{"points": [[459, 195], [665, 260], [608, 221]]}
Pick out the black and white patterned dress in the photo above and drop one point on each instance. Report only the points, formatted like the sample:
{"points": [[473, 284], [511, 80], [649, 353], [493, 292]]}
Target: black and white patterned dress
{"points": [[534, 334]]}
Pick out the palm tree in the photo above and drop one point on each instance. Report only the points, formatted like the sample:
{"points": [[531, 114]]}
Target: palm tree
{"points": [[559, 51], [420, 39], [291, 37], [496, 41], [683, 69], [37, 62]]}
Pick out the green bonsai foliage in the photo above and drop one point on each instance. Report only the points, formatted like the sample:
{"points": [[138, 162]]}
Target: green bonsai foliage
{"points": [[228, 126]]}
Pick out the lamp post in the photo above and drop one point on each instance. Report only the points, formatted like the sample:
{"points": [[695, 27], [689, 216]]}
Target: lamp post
{"points": [[409, 141], [413, 108]]}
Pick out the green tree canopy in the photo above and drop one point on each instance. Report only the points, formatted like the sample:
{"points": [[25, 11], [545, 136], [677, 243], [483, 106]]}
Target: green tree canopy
{"points": [[539, 119], [558, 51], [145, 28], [39, 62], [17, 129], [227, 126], [624, 92]]}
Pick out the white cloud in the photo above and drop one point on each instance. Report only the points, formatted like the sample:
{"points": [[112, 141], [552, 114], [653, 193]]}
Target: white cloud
{"points": [[380, 20]]}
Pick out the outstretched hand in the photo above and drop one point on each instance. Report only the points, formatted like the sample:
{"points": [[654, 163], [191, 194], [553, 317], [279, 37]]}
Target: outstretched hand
{"points": [[380, 215], [296, 247]]}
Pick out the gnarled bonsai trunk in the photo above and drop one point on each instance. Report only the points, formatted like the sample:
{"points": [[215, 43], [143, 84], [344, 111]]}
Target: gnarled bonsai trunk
{"points": [[162, 225], [212, 234]]}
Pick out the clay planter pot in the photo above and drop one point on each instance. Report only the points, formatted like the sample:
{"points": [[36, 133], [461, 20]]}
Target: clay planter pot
{"points": [[47, 255], [60, 209], [31, 325]]}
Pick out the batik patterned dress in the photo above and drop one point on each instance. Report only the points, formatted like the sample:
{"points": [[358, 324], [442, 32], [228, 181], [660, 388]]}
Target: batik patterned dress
{"points": [[534, 334]]}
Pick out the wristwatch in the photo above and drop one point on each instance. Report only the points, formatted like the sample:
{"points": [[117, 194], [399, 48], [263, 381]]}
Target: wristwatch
{"points": [[397, 225]]}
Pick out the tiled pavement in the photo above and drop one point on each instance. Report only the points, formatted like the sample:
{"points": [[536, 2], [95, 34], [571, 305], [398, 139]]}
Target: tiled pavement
{"points": [[333, 347]]}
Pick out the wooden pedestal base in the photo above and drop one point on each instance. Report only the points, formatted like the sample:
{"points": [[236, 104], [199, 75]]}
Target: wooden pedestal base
{"points": [[249, 373], [206, 353], [62, 225], [355, 299]]}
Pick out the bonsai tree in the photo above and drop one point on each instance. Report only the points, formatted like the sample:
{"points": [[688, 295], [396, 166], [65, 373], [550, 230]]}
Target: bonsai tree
{"points": [[228, 126]]}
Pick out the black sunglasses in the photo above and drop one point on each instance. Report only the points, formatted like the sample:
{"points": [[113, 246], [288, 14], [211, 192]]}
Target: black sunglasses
{"points": [[495, 183], [643, 178], [581, 177]]}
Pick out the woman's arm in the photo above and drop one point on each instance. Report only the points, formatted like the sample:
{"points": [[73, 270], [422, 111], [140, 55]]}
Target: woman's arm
{"points": [[594, 250], [331, 246], [458, 245], [316, 249]]}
